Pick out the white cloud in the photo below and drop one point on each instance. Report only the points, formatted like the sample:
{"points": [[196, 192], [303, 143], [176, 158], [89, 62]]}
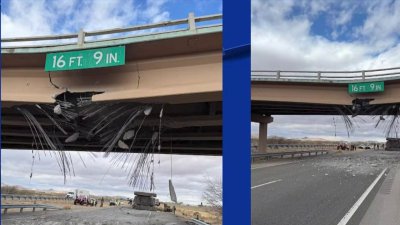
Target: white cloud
{"points": [[26, 19], [154, 11], [297, 126], [382, 23], [40, 17], [285, 42]]}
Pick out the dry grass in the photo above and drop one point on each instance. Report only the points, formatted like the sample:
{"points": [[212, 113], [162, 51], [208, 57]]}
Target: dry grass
{"points": [[203, 213], [64, 204]]}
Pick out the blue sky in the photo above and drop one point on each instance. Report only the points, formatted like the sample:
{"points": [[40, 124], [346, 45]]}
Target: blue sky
{"points": [[21, 18], [324, 35], [334, 22], [43, 17]]}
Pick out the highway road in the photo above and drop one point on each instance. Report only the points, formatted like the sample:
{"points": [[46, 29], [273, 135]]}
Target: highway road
{"points": [[93, 216], [318, 190]]}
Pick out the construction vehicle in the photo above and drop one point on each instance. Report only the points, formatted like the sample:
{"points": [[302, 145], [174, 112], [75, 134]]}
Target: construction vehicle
{"points": [[167, 208], [82, 197]]}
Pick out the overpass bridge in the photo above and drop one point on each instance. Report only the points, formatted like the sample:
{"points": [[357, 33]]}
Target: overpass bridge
{"points": [[363, 92], [173, 67]]}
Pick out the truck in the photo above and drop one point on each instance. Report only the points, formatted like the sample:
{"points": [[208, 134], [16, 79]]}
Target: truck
{"points": [[82, 197], [392, 144], [70, 195]]}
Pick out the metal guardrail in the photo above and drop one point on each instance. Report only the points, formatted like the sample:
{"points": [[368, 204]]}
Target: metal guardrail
{"points": [[81, 35], [271, 155], [30, 197], [321, 76], [197, 222], [33, 206], [299, 146]]}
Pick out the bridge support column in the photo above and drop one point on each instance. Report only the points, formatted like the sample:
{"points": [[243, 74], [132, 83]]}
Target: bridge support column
{"points": [[263, 120], [262, 137]]}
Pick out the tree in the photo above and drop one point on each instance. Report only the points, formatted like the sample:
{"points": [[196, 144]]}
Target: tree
{"points": [[212, 195]]}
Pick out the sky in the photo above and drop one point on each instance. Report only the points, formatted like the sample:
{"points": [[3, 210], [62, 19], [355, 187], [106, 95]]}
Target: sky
{"points": [[99, 176], [47, 17], [330, 128], [324, 35]]}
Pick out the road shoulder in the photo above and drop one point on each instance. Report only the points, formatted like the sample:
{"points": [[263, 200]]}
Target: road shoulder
{"points": [[385, 208]]}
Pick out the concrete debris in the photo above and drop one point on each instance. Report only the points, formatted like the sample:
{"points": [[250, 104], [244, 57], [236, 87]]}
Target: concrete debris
{"points": [[108, 126], [128, 135], [172, 192], [72, 138], [57, 110], [122, 145], [358, 164], [147, 111], [393, 144], [144, 201], [106, 216]]}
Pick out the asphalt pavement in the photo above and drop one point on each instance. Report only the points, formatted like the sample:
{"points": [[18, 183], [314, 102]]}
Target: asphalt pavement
{"points": [[318, 190], [95, 216]]}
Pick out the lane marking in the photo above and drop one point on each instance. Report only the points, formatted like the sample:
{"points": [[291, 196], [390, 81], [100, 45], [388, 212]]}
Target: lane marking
{"points": [[358, 203], [271, 182], [273, 164]]}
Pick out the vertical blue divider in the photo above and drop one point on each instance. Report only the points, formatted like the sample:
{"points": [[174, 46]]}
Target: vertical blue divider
{"points": [[236, 113]]}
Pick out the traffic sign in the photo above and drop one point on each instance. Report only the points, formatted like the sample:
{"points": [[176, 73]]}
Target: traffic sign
{"points": [[85, 59], [366, 87]]}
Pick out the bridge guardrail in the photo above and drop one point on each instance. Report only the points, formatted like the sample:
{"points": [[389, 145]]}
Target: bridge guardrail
{"points": [[299, 146], [33, 206], [197, 222], [270, 155], [191, 21], [325, 76], [30, 197]]}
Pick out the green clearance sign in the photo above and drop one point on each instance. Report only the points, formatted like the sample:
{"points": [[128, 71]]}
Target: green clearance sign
{"points": [[366, 87], [85, 59]]}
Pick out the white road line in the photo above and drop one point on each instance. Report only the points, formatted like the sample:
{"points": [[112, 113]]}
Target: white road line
{"points": [[358, 203], [271, 182]]}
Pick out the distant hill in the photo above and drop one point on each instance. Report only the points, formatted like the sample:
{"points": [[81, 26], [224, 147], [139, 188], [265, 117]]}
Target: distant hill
{"points": [[304, 140], [19, 190]]}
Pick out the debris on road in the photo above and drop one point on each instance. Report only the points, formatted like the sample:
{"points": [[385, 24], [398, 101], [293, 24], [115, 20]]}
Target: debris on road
{"points": [[144, 201]]}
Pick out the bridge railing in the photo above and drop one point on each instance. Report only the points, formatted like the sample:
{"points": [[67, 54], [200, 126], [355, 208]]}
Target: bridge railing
{"points": [[192, 24], [349, 76], [196, 222], [33, 207], [270, 155], [30, 197], [290, 147]]}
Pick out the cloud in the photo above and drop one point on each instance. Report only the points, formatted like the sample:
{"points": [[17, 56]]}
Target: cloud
{"points": [[19, 22], [102, 178], [40, 17], [286, 36], [327, 127], [324, 35], [382, 23]]}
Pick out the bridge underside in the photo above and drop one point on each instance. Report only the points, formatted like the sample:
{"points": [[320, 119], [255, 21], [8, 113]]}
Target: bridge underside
{"points": [[182, 73], [295, 108], [277, 97], [319, 93], [191, 128]]}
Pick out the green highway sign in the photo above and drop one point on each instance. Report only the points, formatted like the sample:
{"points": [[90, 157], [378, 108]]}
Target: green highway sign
{"points": [[85, 59], [366, 87]]}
